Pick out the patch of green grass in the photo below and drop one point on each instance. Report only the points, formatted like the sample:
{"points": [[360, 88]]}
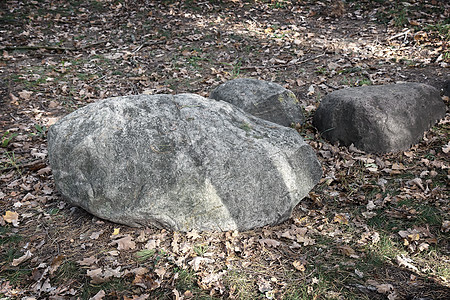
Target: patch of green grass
{"points": [[117, 72], [7, 137], [83, 76], [443, 28], [194, 61], [41, 131], [200, 250], [15, 276], [425, 214], [321, 70], [10, 161], [430, 215], [68, 271], [446, 55], [6, 237], [279, 4], [305, 290], [356, 81], [442, 270], [364, 81], [382, 221], [145, 254], [241, 285], [385, 249], [400, 18], [187, 280], [53, 211], [236, 69], [10, 251], [116, 285], [17, 78]]}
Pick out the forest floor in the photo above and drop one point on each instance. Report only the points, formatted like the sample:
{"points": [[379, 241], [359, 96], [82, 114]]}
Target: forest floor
{"points": [[375, 227]]}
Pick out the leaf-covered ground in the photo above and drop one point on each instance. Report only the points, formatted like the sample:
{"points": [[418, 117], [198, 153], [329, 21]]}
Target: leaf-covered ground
{"points": [[375, 227]]}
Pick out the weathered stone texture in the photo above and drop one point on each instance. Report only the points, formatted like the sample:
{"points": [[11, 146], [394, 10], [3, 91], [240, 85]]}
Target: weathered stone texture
{"points": [[180, 162], [263, 99], [379, 119]]}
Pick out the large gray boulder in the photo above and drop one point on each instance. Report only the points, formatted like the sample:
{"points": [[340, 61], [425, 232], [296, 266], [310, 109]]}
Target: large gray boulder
{"points": [[180, 162], [379, 119], [263, 99]]}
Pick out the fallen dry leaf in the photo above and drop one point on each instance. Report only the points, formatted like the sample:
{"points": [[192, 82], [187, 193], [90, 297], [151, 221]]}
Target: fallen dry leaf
{"points": [[146, 282], [21, 259], [138, 271], [348, 251], [11, 217], [176, 293], [14, 99], [56, 262], [87, 261], [371, 205], [446, 148], [305, 240], [197, 261], [25, 94], [135, 297], [263, 285], [193, 234], [100, 275], [406, 262], [384, 288], [445, 226], [160, 272], [125, 243], [152, 244], [96, 235], [46, 170], [269, 242], [142, 237], [341, 219], [99, 295], [174, 243], [299, 265], [359, 273]]}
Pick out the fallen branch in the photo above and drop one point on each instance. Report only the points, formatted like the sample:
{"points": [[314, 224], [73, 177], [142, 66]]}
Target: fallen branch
{"points": [[36, 48], [33, 165], [283, 65], [51, 47]]}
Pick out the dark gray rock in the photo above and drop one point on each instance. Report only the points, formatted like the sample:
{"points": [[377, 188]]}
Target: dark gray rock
{"points": [[180, 162], [446, 88], [263, 99], [379, 119]]}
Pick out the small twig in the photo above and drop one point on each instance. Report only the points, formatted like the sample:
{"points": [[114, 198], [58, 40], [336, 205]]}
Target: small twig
{"points": [[146, 44], [283, 65], [399, 34], [98, 79]]}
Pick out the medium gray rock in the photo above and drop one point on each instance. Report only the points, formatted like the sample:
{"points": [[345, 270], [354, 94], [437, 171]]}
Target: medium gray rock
{"points": [[379, 119], [263, 99], [180, 162]]}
